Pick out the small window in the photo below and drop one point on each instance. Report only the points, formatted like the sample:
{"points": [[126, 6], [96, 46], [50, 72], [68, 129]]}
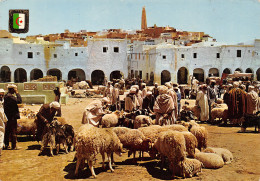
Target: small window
{"points": [[30, 54], [55, 55], [164, 56], [238, 53], [76, 54], [116, 49], [249, 51], [38, 53], [182, 56], [105, 49], [81, 51], [218, 55], [228, 51], [20, 53], [194, 55]]}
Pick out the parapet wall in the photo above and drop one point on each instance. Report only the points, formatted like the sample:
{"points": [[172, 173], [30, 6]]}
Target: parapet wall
{"points": [[39, 92]]}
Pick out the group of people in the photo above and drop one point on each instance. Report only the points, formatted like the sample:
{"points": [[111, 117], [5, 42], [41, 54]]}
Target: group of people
{"points": [[9, 114], [240, 98]]}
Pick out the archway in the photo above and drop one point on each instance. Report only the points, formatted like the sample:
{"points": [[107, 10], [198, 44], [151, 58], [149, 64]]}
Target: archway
{"points": [[227, 71], [198, 73], [5, 75], [36, 74], [55, 72], [165, 77], [77, 73], [182, 76], [258, 74], [213, 72], [249, 70], [20, 75], [239, 69], [116, 75], [97, 77]]}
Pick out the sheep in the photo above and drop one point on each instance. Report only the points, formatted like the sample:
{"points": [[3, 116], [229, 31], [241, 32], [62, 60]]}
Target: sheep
{"points": [[191, 143], [26, 126], [195, 109], [133, 139], [110, 120], [224, 153], [210, 160], [191, 167], [151, 132], [171, 144], [142, 121], [200, 133], [173, 127], [61, 120], [90, 141], [219, 113]]}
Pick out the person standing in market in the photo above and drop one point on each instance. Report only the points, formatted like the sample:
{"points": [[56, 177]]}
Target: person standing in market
{"points": [[12, 113]]}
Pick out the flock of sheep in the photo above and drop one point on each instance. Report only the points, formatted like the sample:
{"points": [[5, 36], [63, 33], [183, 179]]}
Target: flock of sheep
{"points": [[184, 146]]}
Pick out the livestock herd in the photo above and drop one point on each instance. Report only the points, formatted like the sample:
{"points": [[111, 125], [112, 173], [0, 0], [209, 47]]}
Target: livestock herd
{"points": [[182, 147]]}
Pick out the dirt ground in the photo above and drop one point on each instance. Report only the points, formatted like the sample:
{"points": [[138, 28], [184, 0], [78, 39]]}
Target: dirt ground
{"points": [[25, 164]]}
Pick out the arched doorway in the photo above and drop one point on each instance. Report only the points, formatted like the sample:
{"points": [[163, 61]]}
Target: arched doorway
{"points": [[239, 69], [36, 74], [249, 70], [152, 77], [198, 73], [55, 72], [258, 74], [213, 72], [97, 77], [5, 75], [165, 77], [182, 76], [20, 75], [116, 75], [227, 71], [77, 73]]}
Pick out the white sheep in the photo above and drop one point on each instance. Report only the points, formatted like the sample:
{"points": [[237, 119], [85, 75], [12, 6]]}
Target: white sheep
{"points": [[226, 155], [110, 120], [191, 167], [151, 132], [200, 133], [142, 121], [220, 113], [171, 144], [90, 141], [173, 127], [26, 126], [210, 160], [191, 143], [133, 139]]}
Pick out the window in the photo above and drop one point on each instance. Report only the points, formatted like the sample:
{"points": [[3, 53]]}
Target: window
{"points": [[105, 49], [116, 49], [38, 53], [81, 51], [194, 55], [218, 55], [228, 51], [76, 54], [238, 53], [164, 56], [248, 51], [20, 53], [30, 54], [182, 56], [55, 55]]}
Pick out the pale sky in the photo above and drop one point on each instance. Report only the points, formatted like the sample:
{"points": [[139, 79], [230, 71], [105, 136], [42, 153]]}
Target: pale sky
{"points": [[230, 21]]}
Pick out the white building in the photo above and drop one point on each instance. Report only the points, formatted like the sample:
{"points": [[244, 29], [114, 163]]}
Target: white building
{"points": [[167, 62], [21, 61]]}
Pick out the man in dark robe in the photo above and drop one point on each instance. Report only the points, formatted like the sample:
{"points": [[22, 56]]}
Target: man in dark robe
{"points": [[12, 113], [148, 101]]}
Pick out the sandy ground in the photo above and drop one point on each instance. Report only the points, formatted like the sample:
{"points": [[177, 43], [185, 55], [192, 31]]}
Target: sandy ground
{"points": [[25, 164]]}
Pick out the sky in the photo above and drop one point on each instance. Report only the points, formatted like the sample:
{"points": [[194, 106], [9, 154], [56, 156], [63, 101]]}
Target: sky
{"points": [[229, 21]]}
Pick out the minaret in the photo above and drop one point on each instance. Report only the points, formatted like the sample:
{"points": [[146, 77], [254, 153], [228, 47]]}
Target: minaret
{"points": [[144, 22]]}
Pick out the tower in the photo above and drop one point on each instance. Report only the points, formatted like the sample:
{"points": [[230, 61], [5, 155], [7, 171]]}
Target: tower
{"points": [[144, 22]]}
